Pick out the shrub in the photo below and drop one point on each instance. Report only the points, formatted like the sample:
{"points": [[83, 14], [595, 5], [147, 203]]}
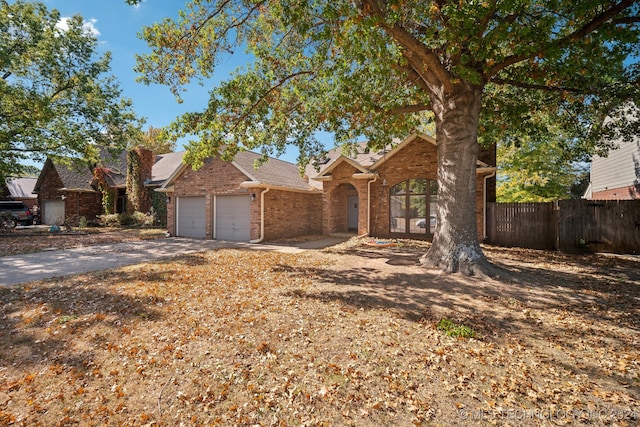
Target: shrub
{"points": [[82, 222], [143, 219], [126, 218], [109, 220]]}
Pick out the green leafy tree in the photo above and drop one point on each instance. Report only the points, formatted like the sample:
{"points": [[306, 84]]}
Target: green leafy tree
{"points": [[154, 139], [536, 172], [373, 68], [55, 96]]}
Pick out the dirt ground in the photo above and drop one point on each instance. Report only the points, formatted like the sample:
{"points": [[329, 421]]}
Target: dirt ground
{"points": [[35, 240], [343, 336]]}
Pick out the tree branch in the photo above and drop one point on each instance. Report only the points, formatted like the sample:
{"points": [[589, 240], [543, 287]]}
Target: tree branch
{"points": [[598, 21], [408, 109], [263, 97], [434, 72], [535, 86], [413, 77]]}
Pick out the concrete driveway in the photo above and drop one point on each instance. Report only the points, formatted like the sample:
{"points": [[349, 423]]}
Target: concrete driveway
{"points": [[17, 269]]}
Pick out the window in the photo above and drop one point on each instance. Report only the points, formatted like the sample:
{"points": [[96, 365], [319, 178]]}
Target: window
{"points": [[412, 206]]}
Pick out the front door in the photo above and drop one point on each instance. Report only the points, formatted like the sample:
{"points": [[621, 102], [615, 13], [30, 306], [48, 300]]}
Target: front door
{"points": [[352, 213]]}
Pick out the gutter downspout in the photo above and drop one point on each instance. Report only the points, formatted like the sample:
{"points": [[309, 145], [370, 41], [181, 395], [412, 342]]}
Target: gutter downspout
{"points": [[369, 205], [484, 208], [261, 238]]}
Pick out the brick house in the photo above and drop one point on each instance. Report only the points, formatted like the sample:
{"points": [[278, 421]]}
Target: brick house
{"points": [[65, 192], [391, 192], [617, 176], [71, 190], [235, 201]]}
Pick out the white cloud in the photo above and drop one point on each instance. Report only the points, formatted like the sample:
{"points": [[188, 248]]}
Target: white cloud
{"points": [[89, 27]]}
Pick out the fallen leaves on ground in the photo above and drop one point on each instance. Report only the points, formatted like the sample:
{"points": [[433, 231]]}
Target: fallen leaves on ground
{"points": [[26, 241], [250, 338]]}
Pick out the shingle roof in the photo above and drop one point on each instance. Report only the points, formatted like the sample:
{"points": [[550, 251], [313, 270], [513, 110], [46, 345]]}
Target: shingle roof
{"points": [[273, 172], [77, 177], [117, 168], [21, 187], [164, 167], [363, 156]]}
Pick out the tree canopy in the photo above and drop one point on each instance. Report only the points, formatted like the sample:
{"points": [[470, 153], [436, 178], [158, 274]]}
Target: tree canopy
{"points": [[153, 139], [55, 95], [537, 172], [379, 69]]}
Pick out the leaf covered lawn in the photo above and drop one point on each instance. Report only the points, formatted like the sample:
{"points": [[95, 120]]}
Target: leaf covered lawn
{"points": [[251, 338]]}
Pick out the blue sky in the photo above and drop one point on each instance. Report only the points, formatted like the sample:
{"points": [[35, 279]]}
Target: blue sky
{"points": [[117, 26]]}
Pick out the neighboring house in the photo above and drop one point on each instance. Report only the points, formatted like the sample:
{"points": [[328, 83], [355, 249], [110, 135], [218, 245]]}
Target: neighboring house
{"points": [[392, 192], [165, 165], [617, 176], [74, 190], [234, 201], [69, 191], [21, 189]]}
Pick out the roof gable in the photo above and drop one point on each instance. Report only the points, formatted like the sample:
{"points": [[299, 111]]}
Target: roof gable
{"points": [[273, 172], [164, 167], [364, 160]]}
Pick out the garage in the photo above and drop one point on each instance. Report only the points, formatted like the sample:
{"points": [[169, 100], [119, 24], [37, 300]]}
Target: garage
{"points": [[53, 211], [233, 218], [191, 217]]}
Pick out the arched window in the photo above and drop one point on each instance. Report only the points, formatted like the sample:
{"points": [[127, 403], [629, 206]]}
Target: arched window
{"points": [[413, 206]]}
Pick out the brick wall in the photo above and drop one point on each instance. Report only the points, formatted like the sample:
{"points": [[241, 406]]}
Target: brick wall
{"points": [[287, 214], [145, 159], [85, 204], [214, 177], [418, 159], [334, 200], [625, 193]]}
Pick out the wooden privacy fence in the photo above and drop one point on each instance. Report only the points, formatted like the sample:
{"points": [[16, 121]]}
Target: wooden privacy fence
{"points": [[567, 225]]}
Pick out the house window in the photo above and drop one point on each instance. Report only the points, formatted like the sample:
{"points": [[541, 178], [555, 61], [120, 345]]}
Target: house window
{"points": [[412, 206], [121, 201]]}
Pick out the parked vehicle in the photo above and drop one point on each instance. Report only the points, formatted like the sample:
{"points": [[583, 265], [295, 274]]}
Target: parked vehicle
{"points": [[18, 210], [422, 223]]}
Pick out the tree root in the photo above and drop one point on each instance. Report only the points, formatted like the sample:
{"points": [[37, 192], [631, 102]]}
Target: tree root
{"points": [[479, 267]]}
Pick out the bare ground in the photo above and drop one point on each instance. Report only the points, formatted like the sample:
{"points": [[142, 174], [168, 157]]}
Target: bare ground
{"points": [[31, 240], [344, 336]]}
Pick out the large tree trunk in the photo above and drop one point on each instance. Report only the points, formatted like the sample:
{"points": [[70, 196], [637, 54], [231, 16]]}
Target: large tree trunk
{"points": [[455, 243]]}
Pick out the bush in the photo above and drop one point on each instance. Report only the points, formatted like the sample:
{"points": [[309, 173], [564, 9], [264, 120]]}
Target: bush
{"points": [[109, 220], [82, 222], [126, 219], [143, 219]]}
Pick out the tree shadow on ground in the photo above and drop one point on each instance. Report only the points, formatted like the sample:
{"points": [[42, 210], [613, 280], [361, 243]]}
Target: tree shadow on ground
{"points": [[589, 286], [41, 321]]}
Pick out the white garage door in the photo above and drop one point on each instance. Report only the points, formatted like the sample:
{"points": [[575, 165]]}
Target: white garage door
{"points": [[53, 212], [233, 218], [191, 217]]}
